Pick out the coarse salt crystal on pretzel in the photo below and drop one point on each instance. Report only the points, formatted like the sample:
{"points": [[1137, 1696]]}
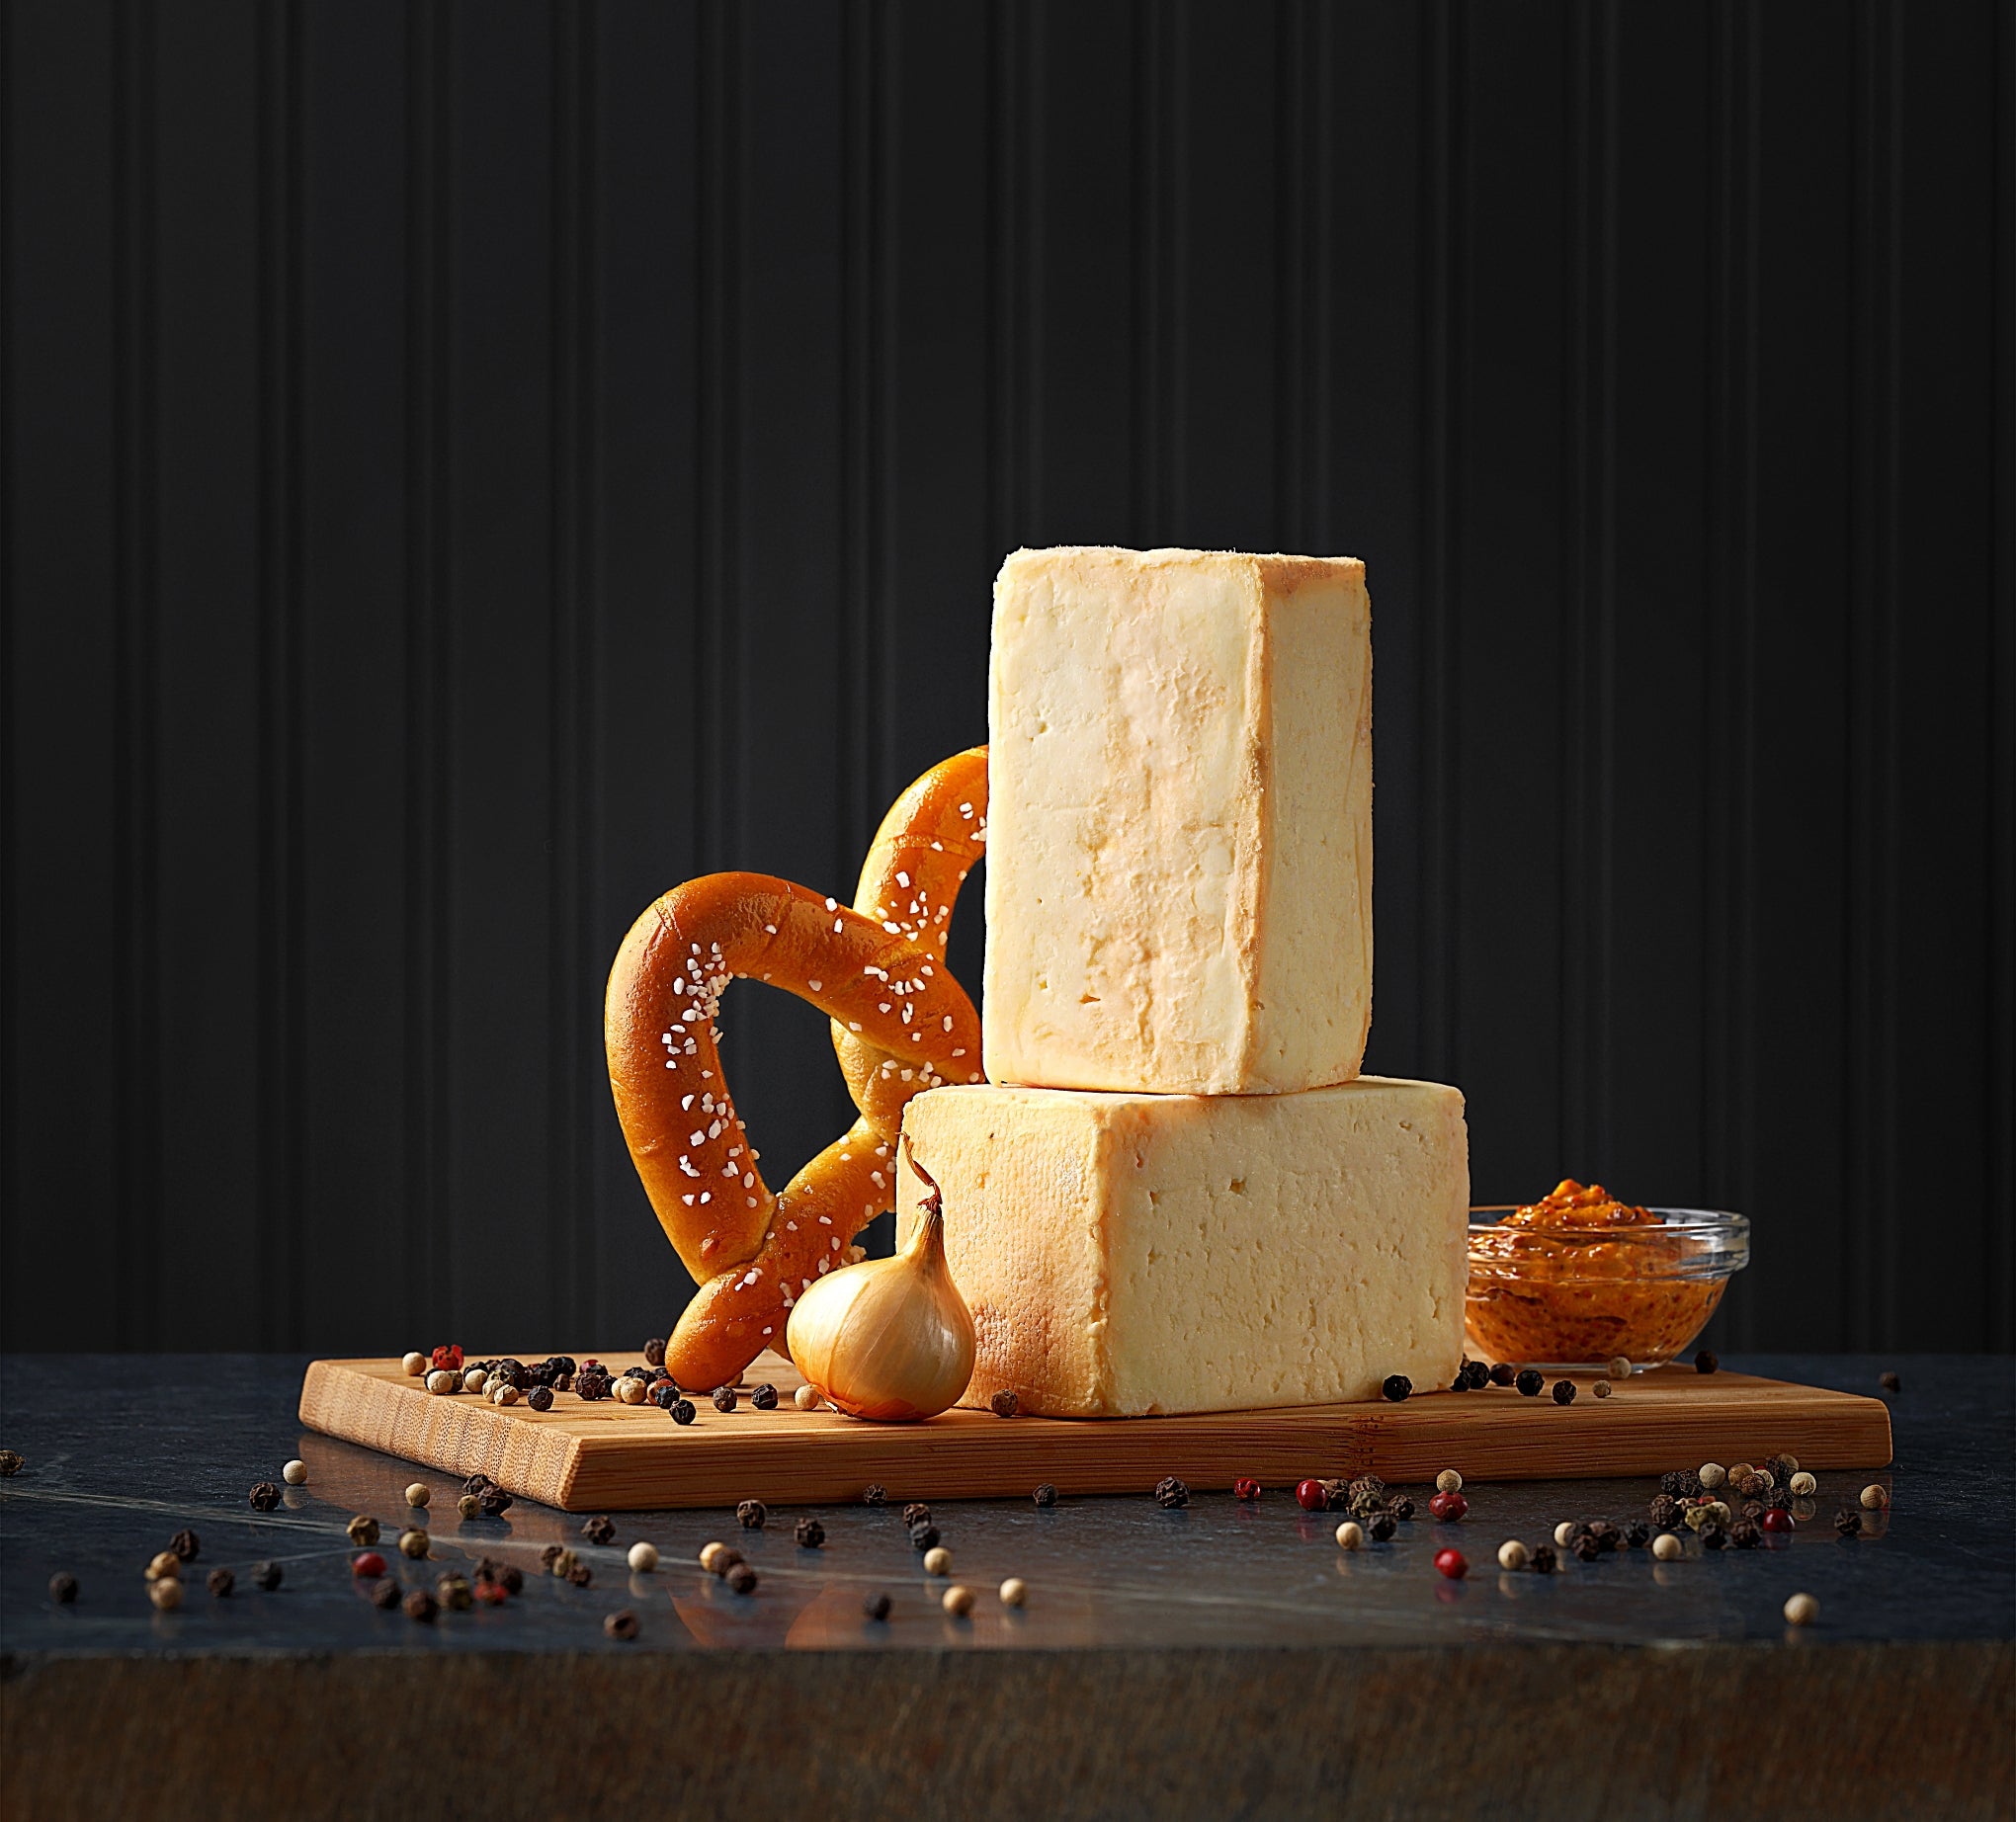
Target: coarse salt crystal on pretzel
{"points": [[901, 1023]]}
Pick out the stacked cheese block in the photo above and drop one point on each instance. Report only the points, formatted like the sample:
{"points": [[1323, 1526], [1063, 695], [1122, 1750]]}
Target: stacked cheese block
{"points": [[1175, 1192]]}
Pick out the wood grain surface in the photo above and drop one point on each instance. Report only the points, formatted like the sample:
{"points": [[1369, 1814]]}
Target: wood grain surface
{"points": [[610, 1457]]}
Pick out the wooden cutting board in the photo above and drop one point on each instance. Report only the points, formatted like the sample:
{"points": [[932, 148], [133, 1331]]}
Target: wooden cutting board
{"points": [[609, 1458]]}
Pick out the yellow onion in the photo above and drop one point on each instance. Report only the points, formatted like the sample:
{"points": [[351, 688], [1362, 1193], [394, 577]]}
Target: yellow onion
{"points": [[889, 1340]]}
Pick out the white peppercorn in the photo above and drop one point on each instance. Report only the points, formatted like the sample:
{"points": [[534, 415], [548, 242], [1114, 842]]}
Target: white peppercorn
{"points": [[1014, 1591], [1601, 1389], [417, 1495], [1350, 1535], [1564, 1532], [1801, 1610], [711, 1556], [957, 1602], [1737, 1472], [643, 1557], [937, 1560], [1803, 1486], [166, 1566], [166, 1594], [440, 1383], [504, 1393], [1667, 1547], [1712, 1474], [475, 1378], [414, 1365], [1512, 1554], [1449, 1481], [1875, 1497], [413, 1543], [805, 1398], [630, 1392], [1619, 1369], [469, 1506], [295, 1474]]}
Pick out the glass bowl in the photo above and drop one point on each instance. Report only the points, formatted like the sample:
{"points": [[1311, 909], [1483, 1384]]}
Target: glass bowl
{"points": [[1577, 1297]]}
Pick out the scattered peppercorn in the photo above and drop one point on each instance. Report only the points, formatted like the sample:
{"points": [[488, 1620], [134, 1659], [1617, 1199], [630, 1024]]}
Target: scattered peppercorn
{"points": [[1014, 1591], [874, 1495], [10, 1463], [1607, 1536], [1665, 1512], [1683, 1485], [295, 1474], [1779, 1523], [1545, 1561], [1450, 1508], [1046, 1495], [591, 1382], [468, 1506], [654, 1352], [1875, 1497], [1805, 1486], [875, 1605], [938, 1561], [264, 1497], [62, 1588], [1170, 1493], [1583, 1548], [1459, 1383], [1667, 1547], [418, 1497], [1563, 1392], [1713, 1536], [1704, 1362], [924, 1536], [540, 1399], [1381, 1527], [367, 1563], [1478, 1374], [1004, 1403], [1401, 1507], [494, 1500], [764, 1397], [752, 1514], [1619, 1367], [806, 1398], [1638, 1534], [915, 1512], [1452, 1563], [454, 1592], [680, 1410], [1350, 1534], [1801, 1610], [1309, 1495], [1529, 1381], [957, 1602], [810, 1532], [741, 1578], [266, 1575], [166, 1594], [413, 1543], [1396, 1388], [550, 1555], [1503, 1373], [1745, 1535], [413, 1365], [1512, 1554], [724, 1398], [1783, 1465], [600, 1529], [420, 1604], [1848, 1522], [580, 1575], [1245, 1488], [1890, 1382]]}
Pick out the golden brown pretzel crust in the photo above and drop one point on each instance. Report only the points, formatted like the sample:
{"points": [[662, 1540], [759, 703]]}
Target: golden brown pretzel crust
{"points": [[900, 1025]]}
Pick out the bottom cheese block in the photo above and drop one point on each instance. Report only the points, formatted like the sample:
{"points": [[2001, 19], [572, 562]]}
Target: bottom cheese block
{"points": [[1134, 1255]]}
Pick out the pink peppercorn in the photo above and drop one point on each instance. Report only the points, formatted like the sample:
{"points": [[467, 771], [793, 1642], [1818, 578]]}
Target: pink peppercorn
{"points": [[448, 1359], [1308, 1495], [1449, 1506], [1245, 1488], [1452, 1563], [1775, 1519], [368, 1563]]}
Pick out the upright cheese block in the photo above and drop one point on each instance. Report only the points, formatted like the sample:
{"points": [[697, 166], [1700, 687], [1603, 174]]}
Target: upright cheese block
{"points": [[1128, 1255], [1179, 832]]}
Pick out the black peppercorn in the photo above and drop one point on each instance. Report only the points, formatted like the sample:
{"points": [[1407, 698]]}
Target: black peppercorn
{"points": [[580, 1575], [751, 1514], [1848, 1522], [494, 1500], [1004, 1404], [1782, 1467], [680, 1410], [1638, 1534], [1890, 1382], [511, 1578], [549, 1556], [264, 1497], [872, 1495], [1529, 1381], [1396, 1388], [10, 1462], [654, 1352], [924, 1536], [1545, 1561], [266, 1575], [1459, 1383], [1503, 1373], [1607, 1536], [741, 1578], [1585, 1547], [1044, 1495], [599, 1529], [419, 1604], [1752, 1509], [1682, 1483], [1360, 1502], [916, 1513], [1477, 1374], [764, 1397], [1171, 1493], [221, 1582], [476, 1483], [1401, 1507], [1753, 1486], [62, 1588], [186, 1544], [540, 1399], [1745, 1536], [1563, 1392], [592, 1383], [875, 1605], [724, 1398], [1704, 1362], [1381, 1527], [385, 1592], [810, 1534], [664, 1394], [1712, 1535], [1665, 1512], [621, 1625]]}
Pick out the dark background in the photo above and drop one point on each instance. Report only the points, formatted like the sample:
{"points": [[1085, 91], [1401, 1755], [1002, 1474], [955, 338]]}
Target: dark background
{"points": [[469, 467]]}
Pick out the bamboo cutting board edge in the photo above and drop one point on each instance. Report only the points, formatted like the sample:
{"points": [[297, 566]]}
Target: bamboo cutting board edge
{"points": [[607, 1456]]}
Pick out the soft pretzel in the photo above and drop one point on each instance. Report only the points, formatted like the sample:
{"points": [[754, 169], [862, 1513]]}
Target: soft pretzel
{"points": [[900, 1025]]}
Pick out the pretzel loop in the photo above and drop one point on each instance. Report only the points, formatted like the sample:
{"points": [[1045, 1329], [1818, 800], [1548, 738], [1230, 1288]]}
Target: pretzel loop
{"points": [[901, 1024]]}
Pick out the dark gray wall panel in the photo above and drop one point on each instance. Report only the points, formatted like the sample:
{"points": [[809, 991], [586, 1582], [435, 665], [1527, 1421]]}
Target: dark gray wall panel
{"points": [[468, 468]]}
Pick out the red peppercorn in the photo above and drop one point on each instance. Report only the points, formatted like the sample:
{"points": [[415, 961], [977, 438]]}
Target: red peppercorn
{"points": [[368, 1563], [1449, 1506], [1310, 1496], [1452, 1564], [1775, 1519], [1245, 1488], [490, 1592], [448, 1359]]}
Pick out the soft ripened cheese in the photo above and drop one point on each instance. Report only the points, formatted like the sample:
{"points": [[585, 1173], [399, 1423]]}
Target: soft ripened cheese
{"points": [[1127, 1255], [1179, 825]]}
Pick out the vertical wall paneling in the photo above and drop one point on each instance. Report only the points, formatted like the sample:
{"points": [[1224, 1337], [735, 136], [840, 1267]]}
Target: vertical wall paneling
{"points": [[468, 468]]}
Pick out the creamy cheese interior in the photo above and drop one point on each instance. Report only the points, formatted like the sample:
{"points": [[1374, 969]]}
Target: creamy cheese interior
{"points": [[1128, 1255]]}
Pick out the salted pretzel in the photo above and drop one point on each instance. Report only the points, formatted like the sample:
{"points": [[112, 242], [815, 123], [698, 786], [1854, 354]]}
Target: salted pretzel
{"points": [[901, 1023]]}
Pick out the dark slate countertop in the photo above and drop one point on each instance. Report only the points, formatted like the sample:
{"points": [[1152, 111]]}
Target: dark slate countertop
{"points": [[120, 1453]]}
